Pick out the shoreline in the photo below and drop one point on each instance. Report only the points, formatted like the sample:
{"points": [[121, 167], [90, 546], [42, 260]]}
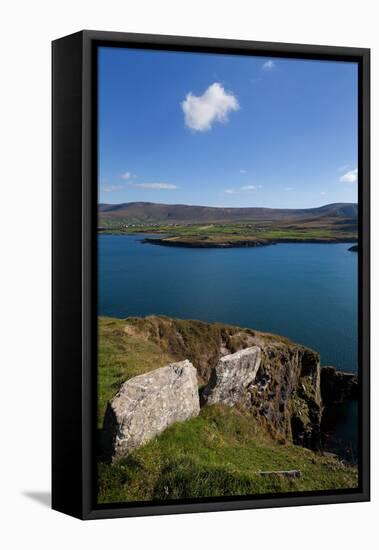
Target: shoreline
{"points": [[242, 244]]}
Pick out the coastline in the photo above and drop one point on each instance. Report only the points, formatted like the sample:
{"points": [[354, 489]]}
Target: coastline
{"points": [[241, 243]]}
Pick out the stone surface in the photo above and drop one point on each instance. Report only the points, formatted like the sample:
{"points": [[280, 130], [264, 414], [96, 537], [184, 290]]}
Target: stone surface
{"points": [[148, 404], [231, 377]]}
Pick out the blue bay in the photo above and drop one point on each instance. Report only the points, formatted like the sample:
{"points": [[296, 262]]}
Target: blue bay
{"points": [[306, 292]]}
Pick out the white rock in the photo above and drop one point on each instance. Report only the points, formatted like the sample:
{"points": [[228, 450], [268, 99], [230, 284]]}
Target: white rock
{"points": [[148, 404], [231, 376]]}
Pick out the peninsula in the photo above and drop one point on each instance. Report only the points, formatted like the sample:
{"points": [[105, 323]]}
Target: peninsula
{"points": [[215, 227]]}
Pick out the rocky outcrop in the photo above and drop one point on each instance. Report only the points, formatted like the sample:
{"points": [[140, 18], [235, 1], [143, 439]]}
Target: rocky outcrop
{"points": [[306, 404], [278, 382], [148, 404], [284, 398], [286, 395], [232, 376], [338, 386]]}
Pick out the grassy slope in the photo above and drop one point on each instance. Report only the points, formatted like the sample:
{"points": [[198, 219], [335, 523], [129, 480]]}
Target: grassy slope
{"points": [[123, 355], [218, 453]]}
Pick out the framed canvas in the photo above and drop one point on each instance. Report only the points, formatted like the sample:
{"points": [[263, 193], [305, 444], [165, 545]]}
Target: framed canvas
{"points": [[210, 275]]}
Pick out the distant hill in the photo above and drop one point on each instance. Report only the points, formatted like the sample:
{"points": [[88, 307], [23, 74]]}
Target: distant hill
{"points": [[148, 212]]}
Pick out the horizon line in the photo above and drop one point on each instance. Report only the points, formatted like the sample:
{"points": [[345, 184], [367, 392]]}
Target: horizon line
{"points": [[222, 207]]}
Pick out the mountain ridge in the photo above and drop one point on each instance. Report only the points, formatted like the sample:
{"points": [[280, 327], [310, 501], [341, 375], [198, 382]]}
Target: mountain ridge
{"points": [[149, 212]]}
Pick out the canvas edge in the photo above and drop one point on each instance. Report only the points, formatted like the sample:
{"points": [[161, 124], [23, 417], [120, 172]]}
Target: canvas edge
{"points": [[85, 507]]}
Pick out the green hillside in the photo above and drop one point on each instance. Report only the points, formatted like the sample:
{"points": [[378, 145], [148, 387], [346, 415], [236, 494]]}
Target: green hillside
{"points": [[223, 451]]}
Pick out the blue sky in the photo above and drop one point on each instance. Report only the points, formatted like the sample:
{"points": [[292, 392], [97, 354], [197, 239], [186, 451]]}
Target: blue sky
{"points": [[221, 130]]}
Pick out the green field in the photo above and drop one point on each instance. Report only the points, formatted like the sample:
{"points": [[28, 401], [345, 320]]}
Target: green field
{"points": [[219, 453], [245, 234]]}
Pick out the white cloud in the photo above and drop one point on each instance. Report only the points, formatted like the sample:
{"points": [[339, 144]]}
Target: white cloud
{"points": [[268, 65], [112, 188], [249, 187], [153, 185], [200, 112], [289, 189], [323, 193], [233, 190], [350, 177], [128, 175], [242, 171]]}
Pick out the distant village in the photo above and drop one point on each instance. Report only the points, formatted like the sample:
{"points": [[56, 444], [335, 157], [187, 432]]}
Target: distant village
{"points": [[129, 225]]}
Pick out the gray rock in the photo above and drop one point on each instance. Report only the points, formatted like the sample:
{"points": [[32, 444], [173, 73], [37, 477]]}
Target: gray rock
{"points": [[148, 404], [231, 376]]}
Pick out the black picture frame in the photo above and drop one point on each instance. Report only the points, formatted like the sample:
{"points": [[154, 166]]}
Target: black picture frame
{"points": [[74, 295]]}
